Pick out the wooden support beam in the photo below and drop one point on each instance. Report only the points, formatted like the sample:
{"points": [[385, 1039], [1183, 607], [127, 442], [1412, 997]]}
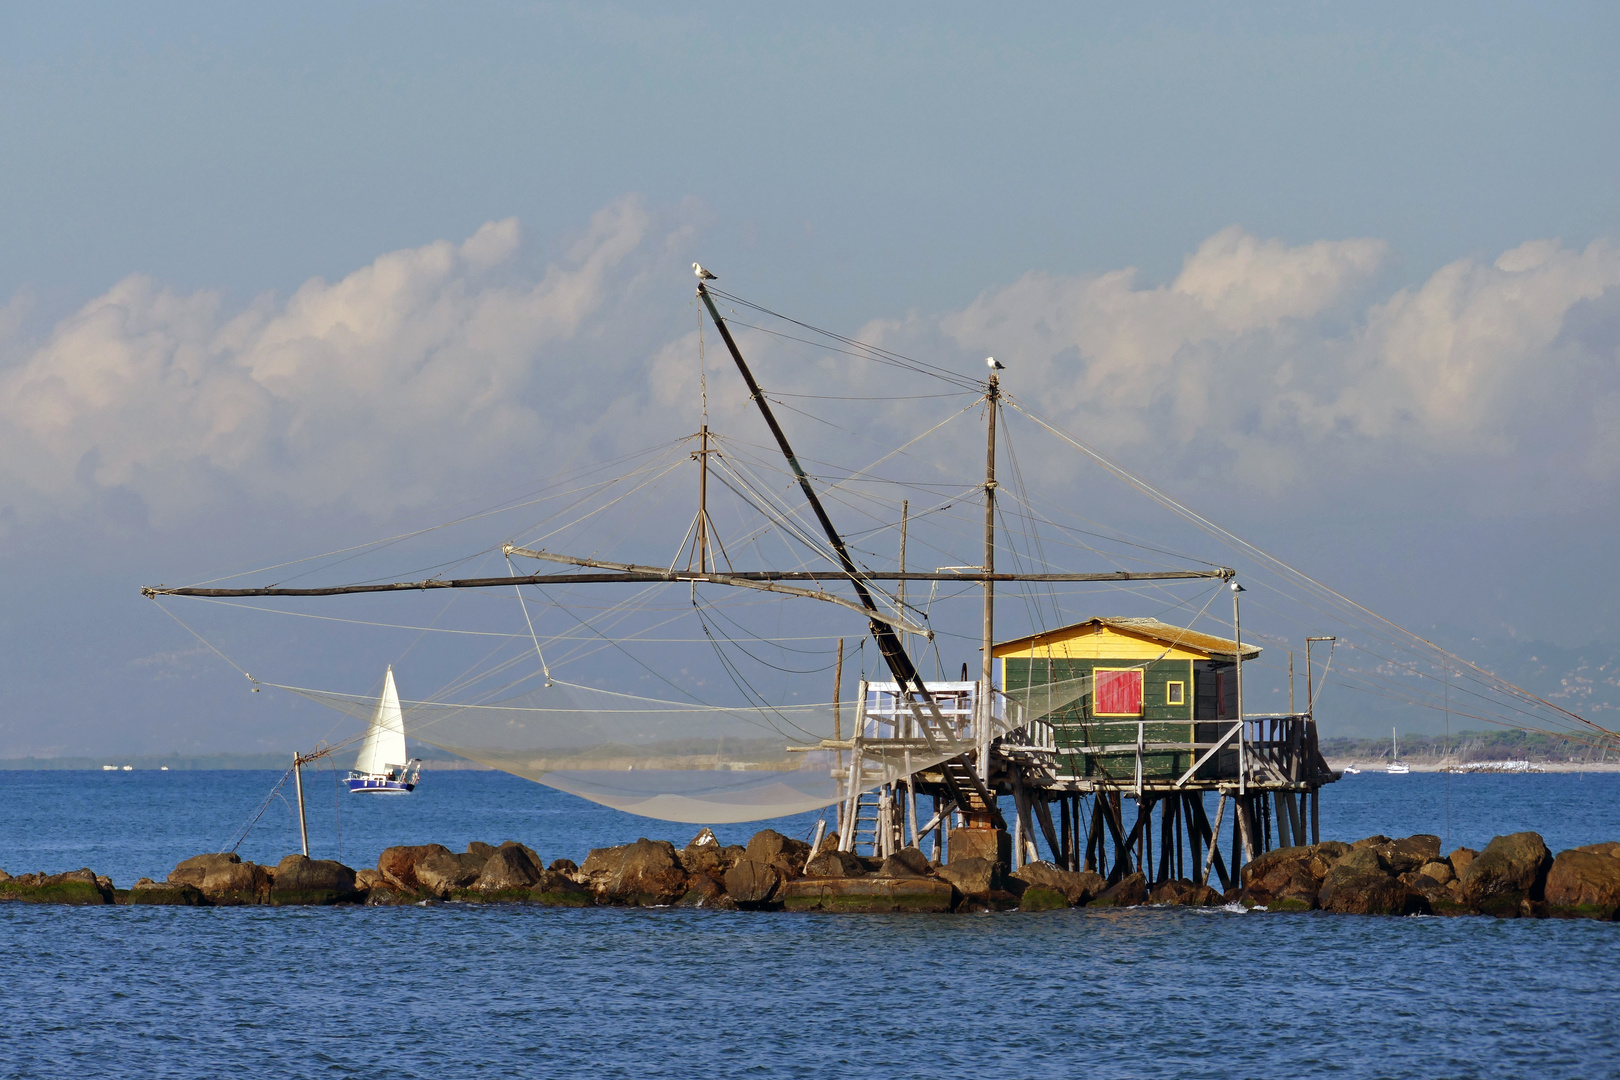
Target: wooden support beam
{"points": [[1043, 816]]}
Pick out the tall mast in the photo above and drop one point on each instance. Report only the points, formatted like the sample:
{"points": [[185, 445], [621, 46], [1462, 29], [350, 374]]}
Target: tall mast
{"points": [[992, 397]]}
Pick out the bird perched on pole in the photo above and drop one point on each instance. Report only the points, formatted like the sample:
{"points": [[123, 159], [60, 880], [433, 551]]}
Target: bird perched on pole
{"points": [[702, 274], [993, 364]]}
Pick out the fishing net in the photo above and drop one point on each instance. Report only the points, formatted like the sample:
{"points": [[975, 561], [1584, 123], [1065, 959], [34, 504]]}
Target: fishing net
{"points": [[706, 764]]}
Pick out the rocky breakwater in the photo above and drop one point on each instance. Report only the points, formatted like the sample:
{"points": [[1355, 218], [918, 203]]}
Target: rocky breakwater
{"points": [[1514, 876]]}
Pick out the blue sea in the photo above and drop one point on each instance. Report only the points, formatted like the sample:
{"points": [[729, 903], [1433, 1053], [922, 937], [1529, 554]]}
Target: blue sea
{"points": [[451, 991]]}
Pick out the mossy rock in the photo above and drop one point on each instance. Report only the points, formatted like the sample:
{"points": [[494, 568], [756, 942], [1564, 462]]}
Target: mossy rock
{"points": [[1288, 903], [1450, 908], [382, 897], [1040, 898], [312, 897], [1601, 912], [164, 896], [558, 898], [71, 893]]}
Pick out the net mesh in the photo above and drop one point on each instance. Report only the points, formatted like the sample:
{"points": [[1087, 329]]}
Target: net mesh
{"points": [[706, 764]]}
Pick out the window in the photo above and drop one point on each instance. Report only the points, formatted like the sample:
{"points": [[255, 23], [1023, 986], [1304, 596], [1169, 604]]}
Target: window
{"points": [[1175, 693], [1117, 691]]}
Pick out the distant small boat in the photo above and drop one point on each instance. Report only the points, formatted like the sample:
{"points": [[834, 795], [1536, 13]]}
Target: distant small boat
{"points": [[1350, 770], [1397, 767], [129, 768], [109, 768], [382, 767]]}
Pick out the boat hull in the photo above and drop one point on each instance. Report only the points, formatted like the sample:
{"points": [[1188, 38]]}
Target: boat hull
{"points": [[376, 785]]}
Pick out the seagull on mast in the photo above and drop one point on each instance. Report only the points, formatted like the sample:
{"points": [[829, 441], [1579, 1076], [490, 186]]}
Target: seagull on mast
{"points": [[993, 364], [704, 275]]}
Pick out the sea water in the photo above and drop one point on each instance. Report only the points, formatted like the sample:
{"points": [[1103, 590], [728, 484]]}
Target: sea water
{"points": [[460, 990]]}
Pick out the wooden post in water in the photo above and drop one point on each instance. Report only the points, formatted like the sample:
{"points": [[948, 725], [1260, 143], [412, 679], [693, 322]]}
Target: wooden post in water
{"points": [[298, 782]]}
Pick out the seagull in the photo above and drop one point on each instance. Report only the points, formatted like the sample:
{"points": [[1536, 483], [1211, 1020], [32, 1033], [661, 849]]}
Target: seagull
{"points": [[993, 364], [703, 275]]}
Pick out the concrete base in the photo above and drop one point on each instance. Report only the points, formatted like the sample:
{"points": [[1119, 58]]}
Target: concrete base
{"points": [[867, 895], [992, 844]]}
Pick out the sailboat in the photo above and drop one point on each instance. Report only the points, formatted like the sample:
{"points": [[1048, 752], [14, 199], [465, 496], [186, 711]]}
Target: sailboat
{"points": [[382, 767], [1397, 767]]}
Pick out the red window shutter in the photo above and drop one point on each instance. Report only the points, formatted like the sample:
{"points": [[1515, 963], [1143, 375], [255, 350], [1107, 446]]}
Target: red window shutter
{"points": [[1118, 693]]}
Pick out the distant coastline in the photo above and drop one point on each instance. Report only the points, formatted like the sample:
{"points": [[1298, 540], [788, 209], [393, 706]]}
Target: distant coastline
{"points": [[196, 762]]}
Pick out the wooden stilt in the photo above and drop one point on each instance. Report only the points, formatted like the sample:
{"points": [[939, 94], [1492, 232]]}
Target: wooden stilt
{"points": [[1316, 820], [1043, 817], [1284, 821], [1065, 855], [1194, 835]]}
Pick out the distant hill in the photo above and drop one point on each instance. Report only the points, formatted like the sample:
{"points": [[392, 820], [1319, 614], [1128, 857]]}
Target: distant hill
{"points": [[1466, 746]]}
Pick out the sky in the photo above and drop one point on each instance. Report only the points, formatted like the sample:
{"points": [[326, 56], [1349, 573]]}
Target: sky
{"points": [[278, 281]]}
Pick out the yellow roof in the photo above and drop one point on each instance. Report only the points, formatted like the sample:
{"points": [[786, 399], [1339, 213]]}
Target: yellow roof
{"points": [[1181, 642]]}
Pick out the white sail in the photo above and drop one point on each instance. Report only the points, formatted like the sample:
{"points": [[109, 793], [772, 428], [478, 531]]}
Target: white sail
{"points": [[384, 747]]}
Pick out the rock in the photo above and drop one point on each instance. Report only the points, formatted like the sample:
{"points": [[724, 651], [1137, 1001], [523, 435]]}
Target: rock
{"points": [[992, 844], [441, 872], [1584, 884], [224, 878], [1610, 847], [835, 864], [706, 838], [398, 865], [302, 880], [147, 891], [972, 877], [867, 895], [556, 889], [1362, 883], [1460, 858], [387, 896], [1511, 869], [1437, 871], [601, 864], [564, 866], [1129, 891], [78, 888], [1371, 841], [1077, 887], [1041, 898], [1285, 879], [706, 892], [753, 883], [369, 879], [1185, 894], [767, 844], [783, 852], [828, 843], [702, 858], [510, 868], [481, 849], [1407, 855], [648, 875], [907, 862]]}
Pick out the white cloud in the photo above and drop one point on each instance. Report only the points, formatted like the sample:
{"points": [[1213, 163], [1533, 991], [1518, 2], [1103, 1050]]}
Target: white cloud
{"points": [[379, 389], [1247, 361], [394, 385]]}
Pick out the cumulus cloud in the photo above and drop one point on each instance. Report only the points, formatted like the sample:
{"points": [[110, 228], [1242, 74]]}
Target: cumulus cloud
{"points": [[379, 389], [392, 386], [1258, 353]]}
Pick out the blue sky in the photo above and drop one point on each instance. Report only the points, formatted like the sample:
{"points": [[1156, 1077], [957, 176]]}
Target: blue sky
{"points": [[1360, 260]]}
